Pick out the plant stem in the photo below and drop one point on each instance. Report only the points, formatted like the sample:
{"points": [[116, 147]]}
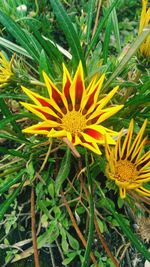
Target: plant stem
{"points": [[91, 214], [77, 229], [34, 238]]}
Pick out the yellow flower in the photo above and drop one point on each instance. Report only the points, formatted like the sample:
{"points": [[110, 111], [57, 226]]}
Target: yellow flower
{"points": [[5, 69], [75, 112], [128, 165], [144, 21]]}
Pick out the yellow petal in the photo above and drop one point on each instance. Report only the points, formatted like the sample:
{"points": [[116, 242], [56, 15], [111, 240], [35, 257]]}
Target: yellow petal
{"points": [[40, 128], [143, 191]]}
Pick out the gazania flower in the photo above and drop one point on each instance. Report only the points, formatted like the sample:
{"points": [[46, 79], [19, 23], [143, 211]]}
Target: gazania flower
{"points": [[75, 112], [144, 21], [5, 69], [128, 165]]}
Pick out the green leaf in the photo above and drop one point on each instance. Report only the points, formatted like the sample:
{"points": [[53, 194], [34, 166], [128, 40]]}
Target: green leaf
{"points": [[89, 19], [100, 27], [127, 231], [12, 137], [107, 39], [73, 242], [27, 41], [13, 152], [70, 33], [132, 50], [11, 181], [13, 47], [5, 110], [70, 258], [64, 243], [63, 171], [50, 235], [5, 206], [116, 27], [43, 65]]}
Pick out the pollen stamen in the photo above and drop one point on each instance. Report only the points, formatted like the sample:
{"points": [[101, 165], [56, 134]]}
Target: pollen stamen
{"points": [[125, 171], [74, 122]]}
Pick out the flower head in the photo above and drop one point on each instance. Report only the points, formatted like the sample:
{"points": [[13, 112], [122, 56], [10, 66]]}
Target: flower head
{"points": [[5, 69], [144, 21], [127, 164], [75, 113]]}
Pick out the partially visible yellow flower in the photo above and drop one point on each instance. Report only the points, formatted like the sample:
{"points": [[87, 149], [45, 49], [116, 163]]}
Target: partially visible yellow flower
{"points": [[128, 165], [5, 69], [144, 21], [75, 113]]}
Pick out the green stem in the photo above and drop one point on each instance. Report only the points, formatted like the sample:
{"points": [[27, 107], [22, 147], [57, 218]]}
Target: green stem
{"points": [[91, 219]]}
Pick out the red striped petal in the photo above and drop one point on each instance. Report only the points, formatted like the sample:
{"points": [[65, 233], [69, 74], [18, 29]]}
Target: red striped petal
{"points": [[66, 88], [44, 128], [43, 102], [94, 120], [47, 115], [79, 88], [93, 133], [58, 99], [89, 102]]}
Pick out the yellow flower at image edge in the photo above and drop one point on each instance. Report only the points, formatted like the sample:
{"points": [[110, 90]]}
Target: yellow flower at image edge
{"points": [[5, 69], [75, 112], [127, 165], [144, 21]]}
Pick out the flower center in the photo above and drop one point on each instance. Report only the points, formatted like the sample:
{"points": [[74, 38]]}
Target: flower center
{"points": [[125, 171], [73, 122]]}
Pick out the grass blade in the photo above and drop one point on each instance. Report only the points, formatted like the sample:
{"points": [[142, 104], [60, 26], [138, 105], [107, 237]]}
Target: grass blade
{"points": [[26, 40], [7, 184], [13, 47], [100, 27], [131, 236], [89, 19], [70, 33], [107, 39], [5, 206], [116, 28], [139, 40]]}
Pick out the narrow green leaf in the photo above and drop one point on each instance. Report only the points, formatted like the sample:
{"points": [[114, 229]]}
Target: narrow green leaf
{"points": [[14, 118], [70, 33], [13, 47], [12, 137], [116, 28], [127, 231], [25, 39], [43, 65], [133, 48], [100, 27], [8, 183], [5, 206], [51, 50], [89, 19], [107, 40], [63, 171], [13, 152]]}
